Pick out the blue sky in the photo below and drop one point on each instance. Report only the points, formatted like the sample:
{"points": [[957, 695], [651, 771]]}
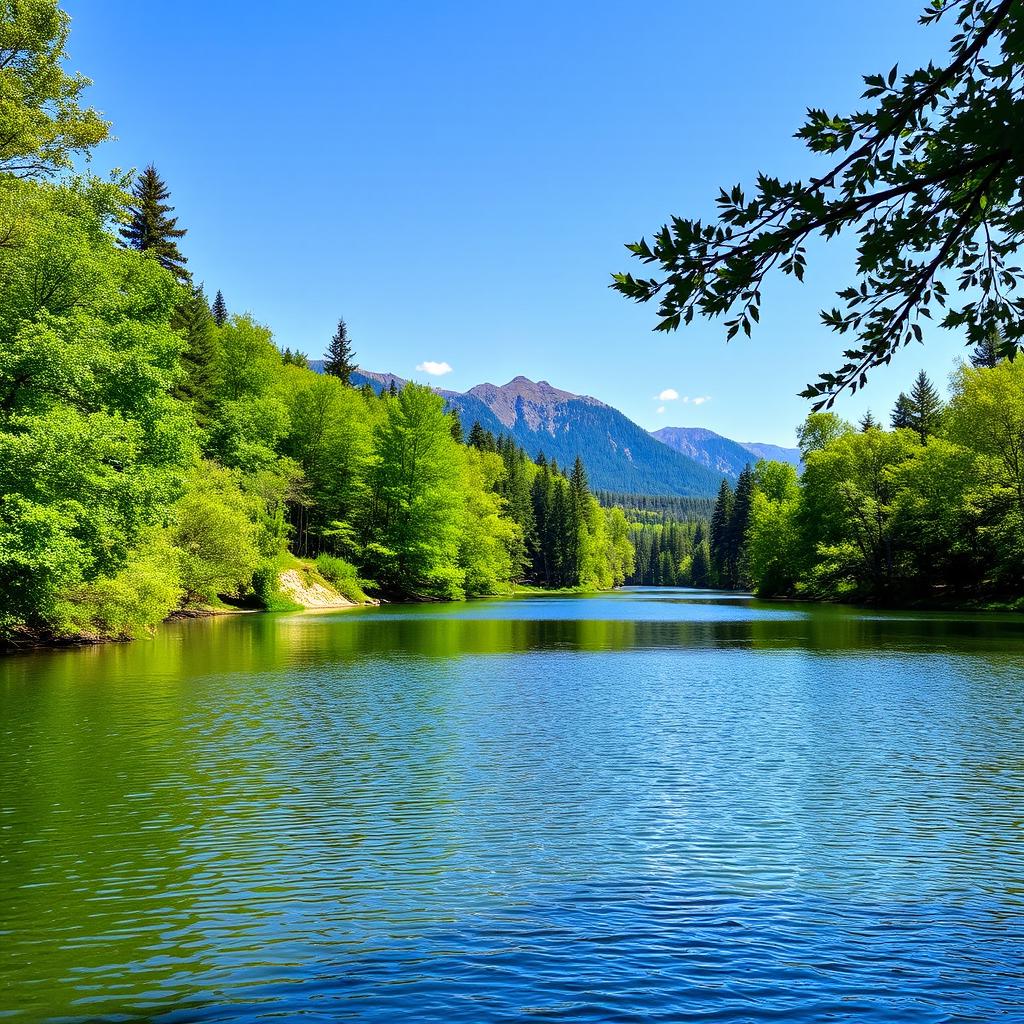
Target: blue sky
{"points": [[458, 179]]}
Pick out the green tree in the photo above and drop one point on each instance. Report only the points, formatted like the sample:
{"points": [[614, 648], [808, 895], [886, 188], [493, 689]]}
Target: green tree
{"points": [[329, 434], [414, 526], [340, 360], [902, 416], [455, 424], [93, 444], [985, 354], [819, 430], [44, 126], [986, 414], [848, 514], [216, 536], [721, 522], [739, 525], [774, 549], [925, 407], [296, 358], [927, 176], [200, 358], [701, 574], [219, 309], [151, 228], [868, 422]]}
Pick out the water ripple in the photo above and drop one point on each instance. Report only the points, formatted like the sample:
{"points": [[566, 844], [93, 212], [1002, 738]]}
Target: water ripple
{"points": [[641, 807]]}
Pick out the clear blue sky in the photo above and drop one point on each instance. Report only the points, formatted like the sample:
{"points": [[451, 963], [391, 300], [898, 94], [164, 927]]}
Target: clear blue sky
{"points": [[457, 179]]}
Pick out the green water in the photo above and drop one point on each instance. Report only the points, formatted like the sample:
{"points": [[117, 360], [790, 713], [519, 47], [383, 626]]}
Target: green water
{"points": [[647, 805]]}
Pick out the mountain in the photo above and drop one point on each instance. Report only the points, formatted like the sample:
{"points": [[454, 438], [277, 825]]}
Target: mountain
{"points": [[619, 454], [774, 452], [719, 453]]}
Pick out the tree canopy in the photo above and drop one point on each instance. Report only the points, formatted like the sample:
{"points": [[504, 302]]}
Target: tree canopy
{"points": [[929, 176], [42, 124]]}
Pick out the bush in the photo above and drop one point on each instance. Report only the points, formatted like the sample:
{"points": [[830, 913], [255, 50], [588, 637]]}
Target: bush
{"points": [[343, 576], [266, 590], [215, 536], [129, 603]]}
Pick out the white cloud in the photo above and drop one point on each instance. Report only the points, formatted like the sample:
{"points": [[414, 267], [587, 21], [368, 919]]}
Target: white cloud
{"points": [[433, 368], [668, 395], [660, 410], [699, 400]]}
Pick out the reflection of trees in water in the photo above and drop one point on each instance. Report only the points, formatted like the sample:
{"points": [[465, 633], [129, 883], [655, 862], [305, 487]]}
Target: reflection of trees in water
{"points": [[167, 799]]}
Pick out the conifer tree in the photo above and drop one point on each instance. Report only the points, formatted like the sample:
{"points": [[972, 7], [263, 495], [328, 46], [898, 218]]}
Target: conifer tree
{"points": [[985, 354], [739, 524], [199, 359], [721, 519], [902, 413], [579, 493], [219, 309], [926, 407], [340, 361], [151, 228], [296, 358], [393, 388], [456, 426], [868, 422], [700, 569]]}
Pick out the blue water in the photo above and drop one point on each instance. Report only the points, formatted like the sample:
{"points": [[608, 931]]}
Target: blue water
{"points": [[654, 805]]}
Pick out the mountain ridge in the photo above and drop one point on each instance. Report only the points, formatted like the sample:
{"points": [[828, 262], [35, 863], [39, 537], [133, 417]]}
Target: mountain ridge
{"points": [[619, 454], [721, 453]]}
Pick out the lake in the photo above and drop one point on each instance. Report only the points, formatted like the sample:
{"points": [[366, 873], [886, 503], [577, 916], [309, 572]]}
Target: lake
{"points": [[650, 805]]}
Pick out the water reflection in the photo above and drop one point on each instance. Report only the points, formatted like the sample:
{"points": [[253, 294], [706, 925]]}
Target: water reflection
{"points": [[607, 808]]}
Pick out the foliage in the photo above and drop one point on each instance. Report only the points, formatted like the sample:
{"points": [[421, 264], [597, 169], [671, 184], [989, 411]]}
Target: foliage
{"points": [[341, 359], [44, 127], [156, 452], [150, 227], [905, 515], [928, 174], [219, 309], [216, 535], [343, 576]]}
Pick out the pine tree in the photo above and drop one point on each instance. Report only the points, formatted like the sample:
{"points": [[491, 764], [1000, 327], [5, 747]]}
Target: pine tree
{"points": [[700, 569], [151, 229], [559, 536], [540, 496], [456, 426], [926, 407], [868, 422], [340, 361], [739, 525], [579, 494], [721, 518], [296, 358], [199, 358], [393, 388], [902, 413], [986, 353], [219, 309]]}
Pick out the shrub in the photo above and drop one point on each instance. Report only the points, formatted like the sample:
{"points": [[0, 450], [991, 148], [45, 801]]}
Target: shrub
{"points": [[130, 602], [343, 576]]}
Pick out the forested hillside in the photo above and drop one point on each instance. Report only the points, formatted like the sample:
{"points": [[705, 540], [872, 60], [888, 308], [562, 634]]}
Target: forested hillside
{"points": [[157, 450], [619, 455]]}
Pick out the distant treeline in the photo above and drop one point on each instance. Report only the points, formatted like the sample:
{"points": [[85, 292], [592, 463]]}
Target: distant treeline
{"points": [[677, 509]]}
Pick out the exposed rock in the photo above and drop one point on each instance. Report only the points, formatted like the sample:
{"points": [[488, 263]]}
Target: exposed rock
{"points": [[312, 594]]}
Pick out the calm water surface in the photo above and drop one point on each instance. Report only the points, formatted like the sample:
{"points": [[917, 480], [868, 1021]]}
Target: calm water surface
{"points": [[654, 805]]}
